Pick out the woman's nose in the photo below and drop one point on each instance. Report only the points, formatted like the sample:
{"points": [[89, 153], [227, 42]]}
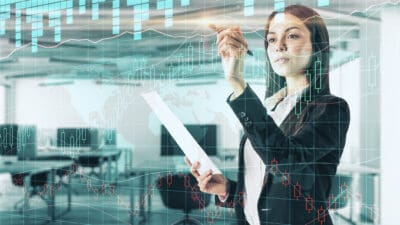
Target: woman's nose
{"points": [[281, 45]]}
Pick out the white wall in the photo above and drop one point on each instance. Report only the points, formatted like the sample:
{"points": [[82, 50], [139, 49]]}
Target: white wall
{"points": [[390, 111]]}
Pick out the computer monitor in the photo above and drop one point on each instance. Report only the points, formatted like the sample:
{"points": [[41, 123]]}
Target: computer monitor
{"points": [[205, 135], [8, 139], [110, 137], [74, 137], [27, 143]]}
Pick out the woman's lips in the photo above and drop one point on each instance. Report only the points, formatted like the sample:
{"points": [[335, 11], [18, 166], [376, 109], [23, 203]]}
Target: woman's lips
{"points": [[282, 60]]}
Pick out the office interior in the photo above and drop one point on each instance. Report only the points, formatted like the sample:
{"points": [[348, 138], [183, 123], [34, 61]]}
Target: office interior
{"points": [[80, 145]]}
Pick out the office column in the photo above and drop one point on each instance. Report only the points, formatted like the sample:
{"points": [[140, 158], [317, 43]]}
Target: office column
{"points": [[370, 127], [390, 119], [5, 50], [10, 100]]}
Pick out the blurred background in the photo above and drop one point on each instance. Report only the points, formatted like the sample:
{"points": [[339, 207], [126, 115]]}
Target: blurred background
{"points": [[79, 145]]}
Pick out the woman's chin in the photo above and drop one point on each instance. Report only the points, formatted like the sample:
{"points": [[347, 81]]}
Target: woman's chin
{"points": [[282, 73], [286, 72], [282, 70]]}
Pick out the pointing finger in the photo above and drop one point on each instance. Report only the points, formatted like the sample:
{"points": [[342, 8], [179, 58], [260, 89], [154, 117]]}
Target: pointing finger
{"points": [[216, 28], [194, 168]]}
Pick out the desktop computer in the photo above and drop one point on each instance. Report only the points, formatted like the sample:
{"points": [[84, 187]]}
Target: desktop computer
{"points": [[18, 140], [78, 138], [26, 143], [109, 137], [8, 139], [205, 136]]}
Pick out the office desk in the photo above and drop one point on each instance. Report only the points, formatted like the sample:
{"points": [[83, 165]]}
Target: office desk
{"points": [[30, 168], [108, 156]]}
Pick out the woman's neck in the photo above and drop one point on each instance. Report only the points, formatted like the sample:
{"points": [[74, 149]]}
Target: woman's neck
{"points": [[295, 84]]}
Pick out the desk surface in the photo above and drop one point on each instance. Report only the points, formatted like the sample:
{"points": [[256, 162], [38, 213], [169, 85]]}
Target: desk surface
{"points": [[63, 153], [101, 153], [32, 167]]}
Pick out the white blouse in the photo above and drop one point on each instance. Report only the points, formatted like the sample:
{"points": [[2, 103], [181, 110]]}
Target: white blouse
{"points": [[254, 171]]}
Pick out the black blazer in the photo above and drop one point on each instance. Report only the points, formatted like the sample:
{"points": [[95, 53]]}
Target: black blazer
{"points": [[301, 155]]}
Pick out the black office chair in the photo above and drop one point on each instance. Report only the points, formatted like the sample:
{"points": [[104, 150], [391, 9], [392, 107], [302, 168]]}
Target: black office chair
{"points": [[91, 162], [340, 194], [94, 162], [62, 172], [180, 191], [38, 184]]}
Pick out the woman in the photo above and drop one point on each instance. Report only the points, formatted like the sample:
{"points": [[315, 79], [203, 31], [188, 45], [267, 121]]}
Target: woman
{"points": [[293, 142]]}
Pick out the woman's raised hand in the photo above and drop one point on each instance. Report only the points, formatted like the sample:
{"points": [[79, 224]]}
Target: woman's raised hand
{"points": [[210, 183], [232, 47]]}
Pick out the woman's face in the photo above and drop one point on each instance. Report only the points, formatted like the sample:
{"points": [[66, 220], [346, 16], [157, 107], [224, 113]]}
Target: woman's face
{"points": [[289, 45]]}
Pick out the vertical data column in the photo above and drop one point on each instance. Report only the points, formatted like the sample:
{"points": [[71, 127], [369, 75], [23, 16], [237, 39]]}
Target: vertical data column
{"points": [[95, 9], [70, 12], [37, 30], [248, 7], [18, 35], [115, 17], [141, 13], [55, 21], [185, 2], [169, 13], [34, 15], [190, 57], [4, 15], [82, 6], [167, 5], [279, 5], [323, 3], [318, 72]]}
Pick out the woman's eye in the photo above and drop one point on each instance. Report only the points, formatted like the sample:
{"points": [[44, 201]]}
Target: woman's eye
{"points": [[293, 36], [271, 40]]}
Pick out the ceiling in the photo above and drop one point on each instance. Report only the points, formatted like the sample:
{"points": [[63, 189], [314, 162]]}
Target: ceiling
{"points": [[89, 50]]}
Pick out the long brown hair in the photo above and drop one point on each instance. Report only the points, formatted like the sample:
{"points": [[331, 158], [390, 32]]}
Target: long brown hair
{"points": [[318, 69]]}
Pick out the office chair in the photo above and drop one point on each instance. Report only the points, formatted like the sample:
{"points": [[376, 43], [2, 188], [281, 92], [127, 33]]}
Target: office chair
{"points": [[38, 185], [180, 191], [92, 163], [340, 195], [95, 161], [64, 172]]}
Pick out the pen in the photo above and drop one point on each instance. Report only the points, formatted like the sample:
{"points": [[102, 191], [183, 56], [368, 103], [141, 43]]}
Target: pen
{"points": [[214, 27]]}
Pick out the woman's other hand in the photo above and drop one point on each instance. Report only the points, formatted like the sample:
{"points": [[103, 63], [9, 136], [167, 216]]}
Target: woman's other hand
{"points": [[210, 183]]}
